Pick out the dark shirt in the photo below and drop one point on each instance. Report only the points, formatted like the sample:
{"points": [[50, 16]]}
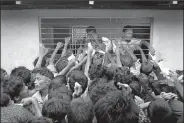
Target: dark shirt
{"points": [[177, 108], [16, 113]]}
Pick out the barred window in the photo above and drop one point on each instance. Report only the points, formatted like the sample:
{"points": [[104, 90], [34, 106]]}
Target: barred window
{"points": [[53, 30]]}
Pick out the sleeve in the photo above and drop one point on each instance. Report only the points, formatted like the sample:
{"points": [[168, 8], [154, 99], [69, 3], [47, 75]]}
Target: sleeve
{"points": [[52, 68], [109, 45]]}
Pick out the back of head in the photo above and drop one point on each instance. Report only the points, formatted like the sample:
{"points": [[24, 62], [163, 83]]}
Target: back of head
{"points": [[123, 75], [41, 120], [126, 60], [61, 64], [80, 77], [146, 68], [22, 72], [13, 87], [61, 93], [159, 111], [96, 71], [55, 109], [91, 29], [114, 107], [42, 64], [57, 82], [5, 100], [80, 111], [100, 90], [45, 72]]}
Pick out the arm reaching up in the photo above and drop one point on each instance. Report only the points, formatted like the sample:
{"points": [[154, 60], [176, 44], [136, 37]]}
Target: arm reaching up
{"points": [[151, 49], [59, 45], [43, 51], [142, 54]]}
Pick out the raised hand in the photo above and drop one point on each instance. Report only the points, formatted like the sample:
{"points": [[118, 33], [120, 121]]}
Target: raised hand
{"points": [[67, 40], [43, 50], [59, 45]]}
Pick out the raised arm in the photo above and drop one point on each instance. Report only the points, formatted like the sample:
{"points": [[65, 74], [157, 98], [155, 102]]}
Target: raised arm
{"points": [[42, 52], [59, 45], [130, 52], [67, 68], [142, 53], [147, 44], [118, 60], [67, 42], [88, 62]]}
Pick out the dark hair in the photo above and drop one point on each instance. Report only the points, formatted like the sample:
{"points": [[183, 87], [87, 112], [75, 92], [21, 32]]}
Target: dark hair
{"points": [[3, 71], [3, 78], [41, 120], [22, 72], [123, 75], [126, 60], [100, 90], [80, 111], [45, 72], [60, 93], [91, 29], [96, 71], [115, 107], [55, 109], [146, 68], [158, 87], [80, 77], [43, 62], [110, 72], [61, 64], [136, 88], [126, 28], [5, 99], [159, 111], [57, 82], [13, 87]]}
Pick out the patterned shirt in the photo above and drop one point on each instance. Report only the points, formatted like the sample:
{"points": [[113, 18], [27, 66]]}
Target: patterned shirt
{"points": [[15, 113]]}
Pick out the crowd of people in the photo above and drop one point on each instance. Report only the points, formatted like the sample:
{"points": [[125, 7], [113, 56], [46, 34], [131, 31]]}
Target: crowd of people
{"points": [[105, 82]]}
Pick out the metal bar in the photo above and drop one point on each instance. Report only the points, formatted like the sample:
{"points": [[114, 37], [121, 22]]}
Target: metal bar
{"points": [[98, 33], [101, 28]]}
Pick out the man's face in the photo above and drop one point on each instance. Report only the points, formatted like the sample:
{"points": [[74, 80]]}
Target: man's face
{"points": [[128, 33], [41, 82]]}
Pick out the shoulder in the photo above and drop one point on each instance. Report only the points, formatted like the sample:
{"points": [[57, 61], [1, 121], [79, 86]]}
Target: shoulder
{"points": [[135, 41]]}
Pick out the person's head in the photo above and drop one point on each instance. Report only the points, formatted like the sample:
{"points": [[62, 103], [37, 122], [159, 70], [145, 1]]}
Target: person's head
{"points": [[123, 75], [146, 67], [60, 93], [100, 90], [90, 30], [126, 60], [41, 120], [22, 72], [80, 111], [159, 111], [4, 75], [110, 72], [43, 64], [61, 64], [136, 88], [114, 107], [57, 82], [55, 109], [128, 31], [15, 88], [96, 71], [5, 100], [80, 77], [43, 78]]}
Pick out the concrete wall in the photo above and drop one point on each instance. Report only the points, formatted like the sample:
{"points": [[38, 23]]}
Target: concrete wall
{"points": [[20, 33]]}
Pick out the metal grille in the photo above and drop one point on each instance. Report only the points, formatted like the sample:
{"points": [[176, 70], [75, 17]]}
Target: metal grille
{"points": [[53, 30]]}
